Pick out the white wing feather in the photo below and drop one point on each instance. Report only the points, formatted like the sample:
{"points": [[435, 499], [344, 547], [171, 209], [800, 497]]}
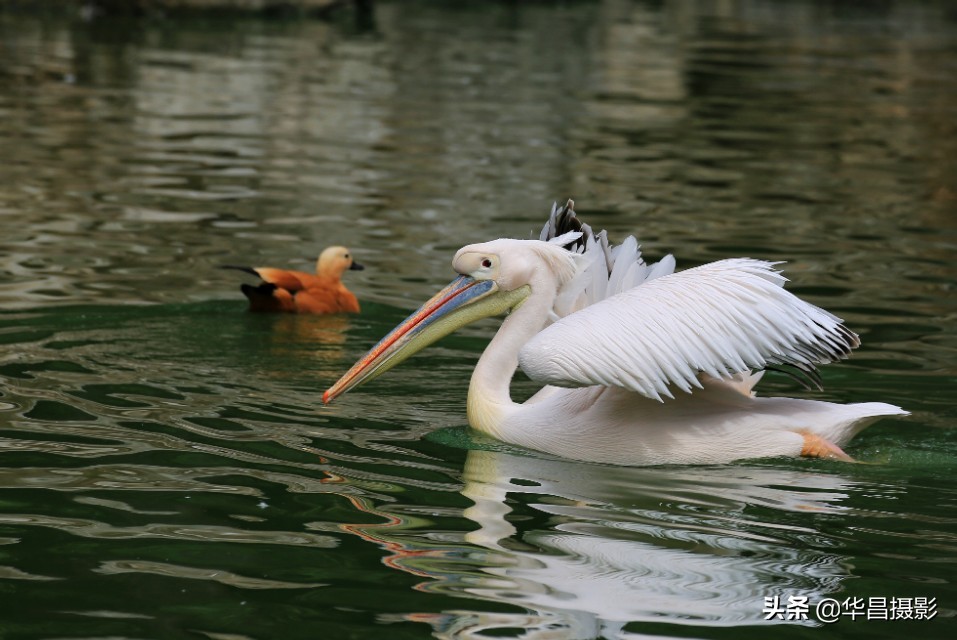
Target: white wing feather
{"points": [[720, 319], [602, 269]]}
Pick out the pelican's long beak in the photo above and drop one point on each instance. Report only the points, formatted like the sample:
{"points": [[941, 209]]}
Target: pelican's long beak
{"points": [[463, 301]]}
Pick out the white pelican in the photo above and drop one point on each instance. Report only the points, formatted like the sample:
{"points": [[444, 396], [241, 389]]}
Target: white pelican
{"points": [[640, 365]]}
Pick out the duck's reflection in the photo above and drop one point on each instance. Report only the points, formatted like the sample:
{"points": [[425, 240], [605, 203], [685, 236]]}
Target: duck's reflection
{"points": [[584, 550], [296, 343]]}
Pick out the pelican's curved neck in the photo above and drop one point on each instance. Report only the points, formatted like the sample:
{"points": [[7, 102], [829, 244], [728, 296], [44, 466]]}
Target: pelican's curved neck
{"points": [[489, 399]]}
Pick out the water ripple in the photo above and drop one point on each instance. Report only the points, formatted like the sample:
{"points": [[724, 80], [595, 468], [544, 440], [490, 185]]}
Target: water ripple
{"points": [[194, 573], [195, 533]]}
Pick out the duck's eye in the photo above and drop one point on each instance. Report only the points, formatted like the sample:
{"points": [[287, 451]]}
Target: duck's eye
{"points": [[486, 263], [347, 256]]}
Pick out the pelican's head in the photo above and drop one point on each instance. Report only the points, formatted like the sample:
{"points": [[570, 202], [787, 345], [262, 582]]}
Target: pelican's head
{"points": [[512, 264], [494, 278], [333, 261]]}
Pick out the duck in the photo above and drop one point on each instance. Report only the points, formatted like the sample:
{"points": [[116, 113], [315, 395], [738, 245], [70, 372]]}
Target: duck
{"points": [[289, 291]]}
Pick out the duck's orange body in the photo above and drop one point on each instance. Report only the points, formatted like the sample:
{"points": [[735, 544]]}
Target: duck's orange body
{"points": [[283, 290]]}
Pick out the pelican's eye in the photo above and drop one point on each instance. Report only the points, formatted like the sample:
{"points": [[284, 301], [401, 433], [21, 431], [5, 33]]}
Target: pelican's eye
{"points": [[486, 263]]}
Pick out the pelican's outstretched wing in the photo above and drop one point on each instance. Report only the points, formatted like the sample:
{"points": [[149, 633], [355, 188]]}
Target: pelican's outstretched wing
{"points": [[720, 318]]}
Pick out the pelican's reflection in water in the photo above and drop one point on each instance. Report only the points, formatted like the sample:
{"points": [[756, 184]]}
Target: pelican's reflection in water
{"points": [[629, 545], [587, 549]]}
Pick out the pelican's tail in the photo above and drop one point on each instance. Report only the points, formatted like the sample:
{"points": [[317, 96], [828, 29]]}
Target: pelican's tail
{"points": [[850, 419]]}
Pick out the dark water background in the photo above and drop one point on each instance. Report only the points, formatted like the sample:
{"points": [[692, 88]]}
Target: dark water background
{"points": [[166, 467]]}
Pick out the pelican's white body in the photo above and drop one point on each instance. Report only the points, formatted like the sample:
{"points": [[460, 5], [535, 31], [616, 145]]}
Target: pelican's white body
{"points": [[713, 425], [610, 416]]}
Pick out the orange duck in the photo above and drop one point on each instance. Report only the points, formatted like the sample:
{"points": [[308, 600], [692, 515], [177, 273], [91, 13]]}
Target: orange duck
{"points": [[301, 292]]}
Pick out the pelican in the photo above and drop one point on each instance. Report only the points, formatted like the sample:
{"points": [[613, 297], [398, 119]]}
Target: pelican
{"points": [[640, 365], [301, 292]]}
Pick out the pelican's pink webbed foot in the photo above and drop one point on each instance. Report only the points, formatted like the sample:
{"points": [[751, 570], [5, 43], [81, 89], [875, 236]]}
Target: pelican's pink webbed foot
{"points": [[817, 447]]}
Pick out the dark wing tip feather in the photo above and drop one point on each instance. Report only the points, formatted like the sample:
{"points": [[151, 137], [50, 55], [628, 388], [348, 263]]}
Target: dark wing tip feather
{"points": [[851, 339], [564, 220], [806, 376], [837, 343]]}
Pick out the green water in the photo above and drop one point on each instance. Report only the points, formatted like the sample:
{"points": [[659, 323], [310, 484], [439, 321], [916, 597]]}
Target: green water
{"points": [[167, 469]]}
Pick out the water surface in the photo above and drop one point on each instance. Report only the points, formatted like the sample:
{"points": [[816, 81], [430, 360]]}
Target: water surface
{"points": [[168, 470]]}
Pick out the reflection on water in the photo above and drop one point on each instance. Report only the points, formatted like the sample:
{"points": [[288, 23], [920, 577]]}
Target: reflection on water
{"points": [[605, 547], [167, 468]]}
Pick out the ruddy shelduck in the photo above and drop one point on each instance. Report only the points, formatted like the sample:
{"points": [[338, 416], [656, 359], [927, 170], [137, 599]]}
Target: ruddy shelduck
{"points": [[300, 292]]}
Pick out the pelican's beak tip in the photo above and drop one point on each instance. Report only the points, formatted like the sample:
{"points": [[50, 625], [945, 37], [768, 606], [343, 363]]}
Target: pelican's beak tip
{"points": [[326, 397]]}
